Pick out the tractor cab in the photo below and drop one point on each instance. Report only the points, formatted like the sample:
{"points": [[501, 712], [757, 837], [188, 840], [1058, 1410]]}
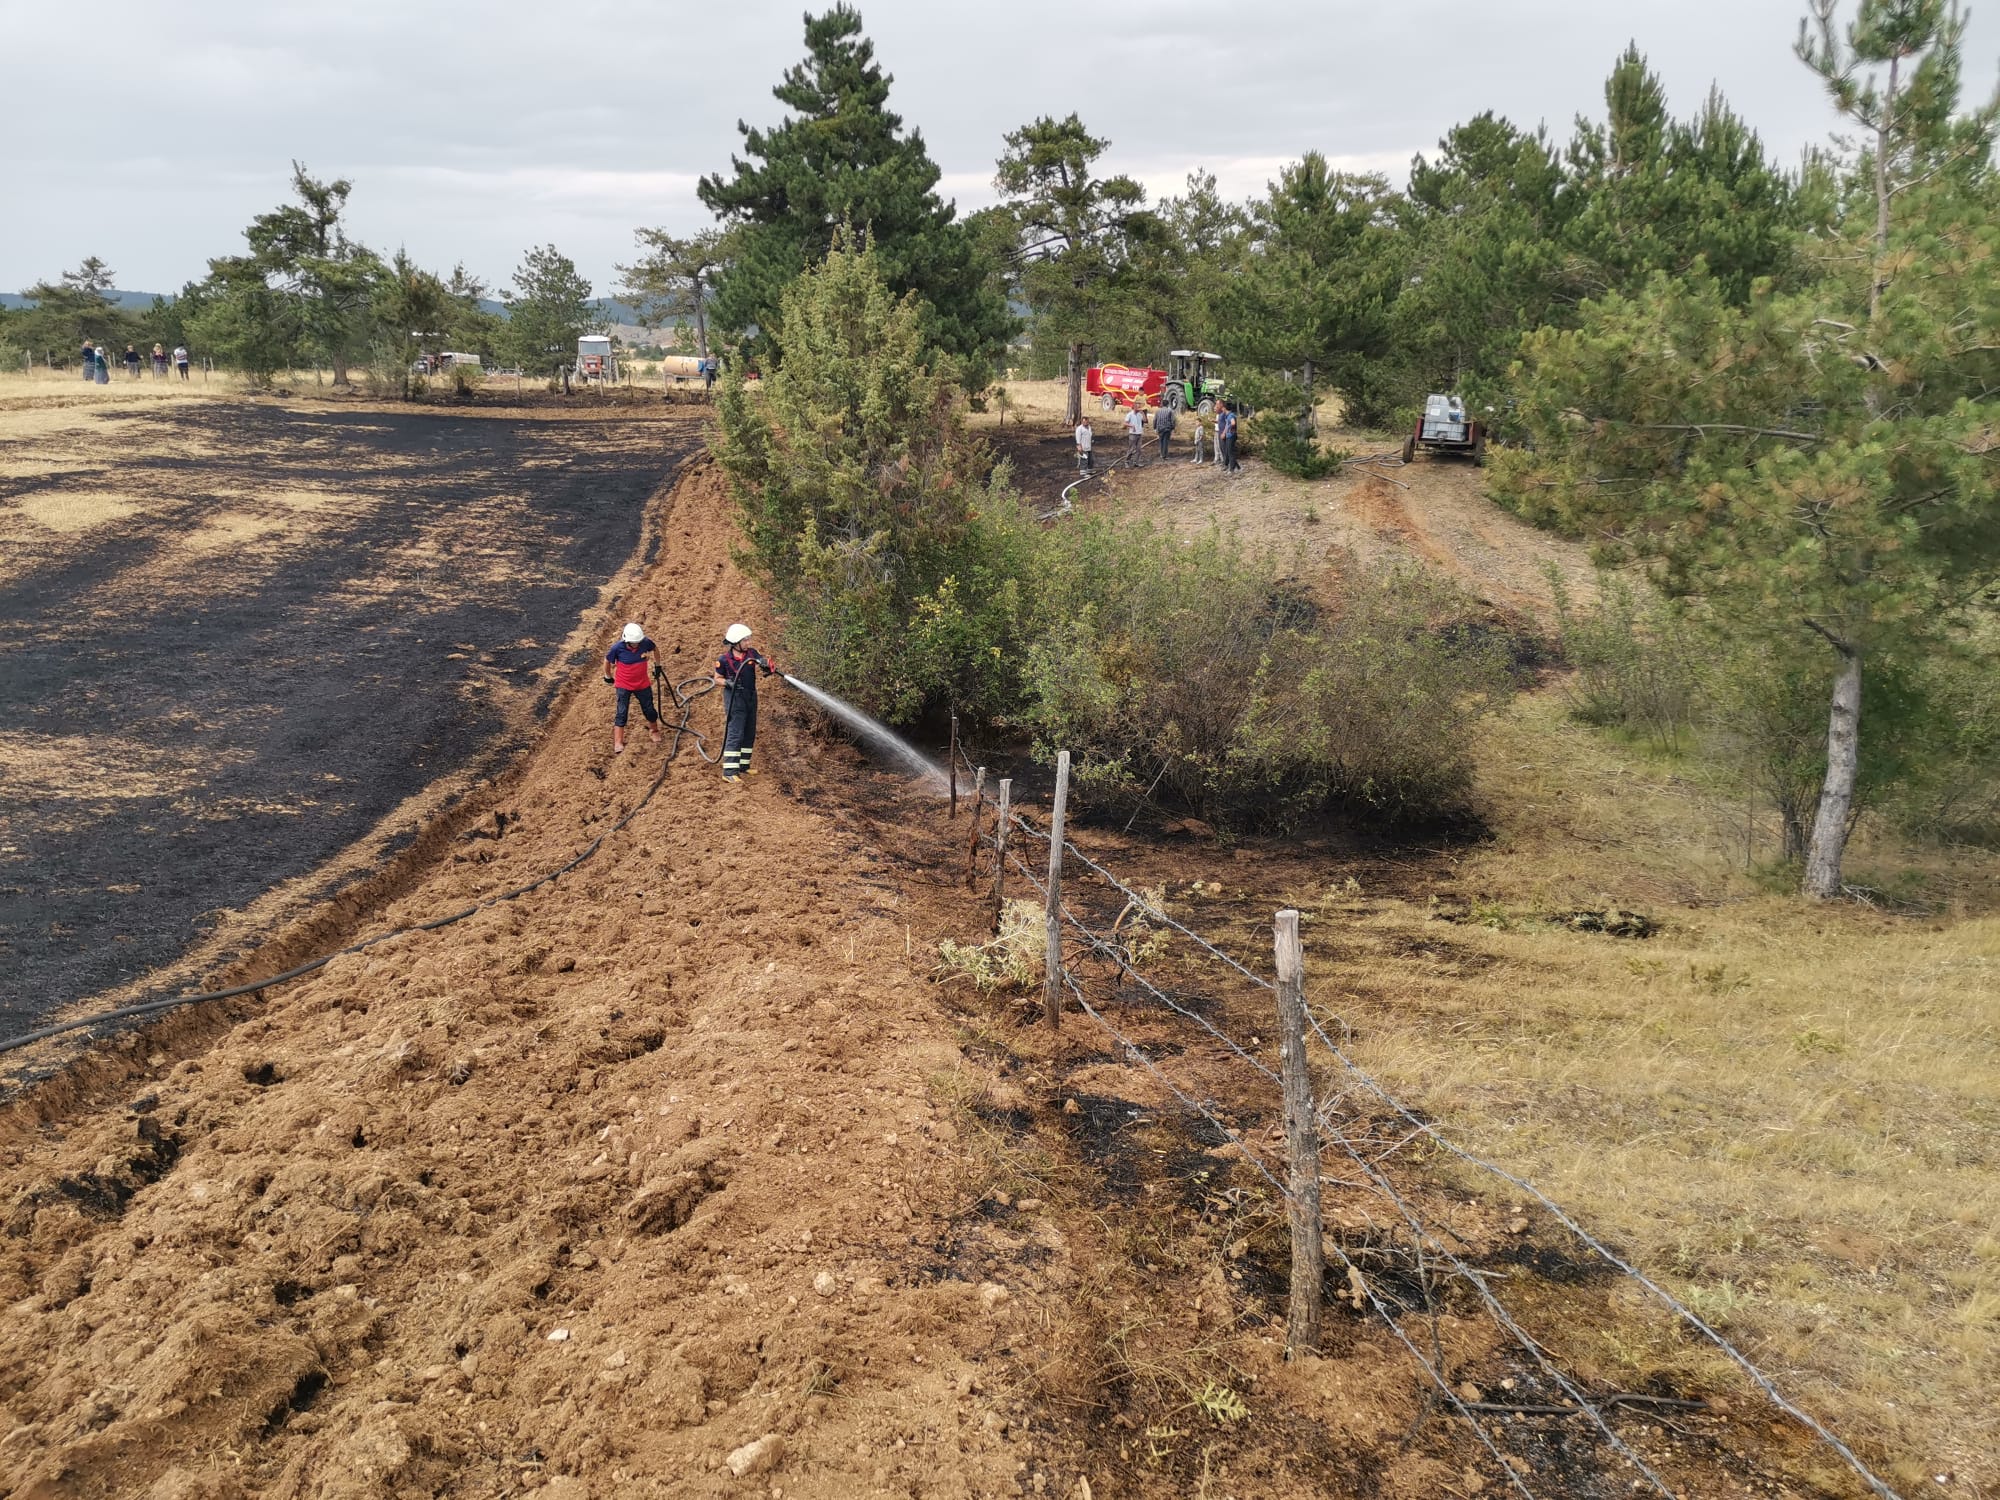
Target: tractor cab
{"points": [[1192, 384]]}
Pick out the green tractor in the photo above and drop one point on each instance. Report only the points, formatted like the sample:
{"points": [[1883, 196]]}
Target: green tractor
{"points": [[1190, 384]]}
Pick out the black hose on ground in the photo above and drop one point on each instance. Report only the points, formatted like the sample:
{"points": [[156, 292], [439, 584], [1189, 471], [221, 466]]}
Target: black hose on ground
{"points": [[684, 701]]}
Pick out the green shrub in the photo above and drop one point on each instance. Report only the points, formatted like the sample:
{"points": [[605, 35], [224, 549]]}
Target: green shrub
{"points": [[1636, 660], [1195, 677], [1287, 444], [911, 578]]}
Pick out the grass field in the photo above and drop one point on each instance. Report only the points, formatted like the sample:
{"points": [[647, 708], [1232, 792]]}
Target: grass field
{"points": [[1787, 1113]]}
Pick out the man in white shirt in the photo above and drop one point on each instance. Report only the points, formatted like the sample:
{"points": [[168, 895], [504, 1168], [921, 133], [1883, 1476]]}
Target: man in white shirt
{"points": [[1135, 437], [1085, 436]]}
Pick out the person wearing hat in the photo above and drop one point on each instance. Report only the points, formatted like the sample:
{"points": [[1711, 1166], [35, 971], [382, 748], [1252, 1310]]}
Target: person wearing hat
{"points": [[630, 671], [736, 670]]}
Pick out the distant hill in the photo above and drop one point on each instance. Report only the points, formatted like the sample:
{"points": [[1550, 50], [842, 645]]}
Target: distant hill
{"points": [[139, 301]]}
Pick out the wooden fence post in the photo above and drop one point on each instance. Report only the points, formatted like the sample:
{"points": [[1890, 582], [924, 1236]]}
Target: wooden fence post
{"points": [[1000, 849], [1053, 978], [972, 841], [1302, 1320], [951, 761]]}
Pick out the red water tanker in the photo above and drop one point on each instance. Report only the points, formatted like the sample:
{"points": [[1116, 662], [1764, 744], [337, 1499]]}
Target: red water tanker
{"points": [[1125, 385]]}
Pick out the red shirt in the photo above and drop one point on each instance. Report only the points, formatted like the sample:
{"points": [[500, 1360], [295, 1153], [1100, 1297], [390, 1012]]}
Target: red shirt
{"points": [[629, 668]]}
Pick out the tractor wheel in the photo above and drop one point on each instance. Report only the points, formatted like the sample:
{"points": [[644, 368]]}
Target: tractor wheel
{"points": [[1207, 407], [1479, 449], [1110, 401], [1173, 398], [1410, 449]]}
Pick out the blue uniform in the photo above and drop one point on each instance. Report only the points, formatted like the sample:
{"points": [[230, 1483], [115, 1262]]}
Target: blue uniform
{"points": [[739, 706]]}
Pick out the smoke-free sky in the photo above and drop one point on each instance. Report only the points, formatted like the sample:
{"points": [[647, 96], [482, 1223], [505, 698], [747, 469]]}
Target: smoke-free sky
{"points": [[150, 133]]}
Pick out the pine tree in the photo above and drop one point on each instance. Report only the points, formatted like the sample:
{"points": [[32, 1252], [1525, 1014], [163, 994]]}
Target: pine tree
{"points": [[1649, 193], [1205, 241], [676, 278], [548, 310], [1483, 221], [1078, 238], [303, 251], [70, 309], [843, 161], [866, 503], [1819, 464], [1316, 294]]}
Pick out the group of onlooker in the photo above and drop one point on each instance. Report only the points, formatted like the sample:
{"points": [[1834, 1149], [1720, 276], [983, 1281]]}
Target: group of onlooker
{"points": [[1214, 433], [97, 365]]}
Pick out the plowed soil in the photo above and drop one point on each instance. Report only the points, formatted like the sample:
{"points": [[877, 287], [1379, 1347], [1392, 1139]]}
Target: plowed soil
{"points": [[236, 637], [683, 1175]]}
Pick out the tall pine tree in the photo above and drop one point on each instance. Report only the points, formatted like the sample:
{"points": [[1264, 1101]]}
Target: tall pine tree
{"points": [[842, 159], [1316, 296], [1080, 239], [1817, 465]]}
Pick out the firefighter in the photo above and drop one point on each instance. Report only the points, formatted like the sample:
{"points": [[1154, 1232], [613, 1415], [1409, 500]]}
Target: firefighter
{"points": [[629, 670], [736, 671]]}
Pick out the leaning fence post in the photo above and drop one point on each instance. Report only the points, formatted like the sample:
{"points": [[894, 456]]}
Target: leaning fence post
{"points": [[1000, 849], [1053, 978], [972, 841], [1302, 1321], [951, 761]]}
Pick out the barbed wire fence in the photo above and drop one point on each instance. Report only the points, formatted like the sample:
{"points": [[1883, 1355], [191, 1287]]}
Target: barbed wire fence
{"points": [[1427, 1240]]}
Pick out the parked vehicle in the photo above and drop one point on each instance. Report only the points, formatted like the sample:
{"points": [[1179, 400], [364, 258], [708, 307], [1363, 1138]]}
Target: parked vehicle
{"points": [[1189, 384], [1124, 385], [1445, 428], [594, 360]]}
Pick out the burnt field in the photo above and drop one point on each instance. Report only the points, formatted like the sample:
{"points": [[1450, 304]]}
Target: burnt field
{"points": [[235, 638]]}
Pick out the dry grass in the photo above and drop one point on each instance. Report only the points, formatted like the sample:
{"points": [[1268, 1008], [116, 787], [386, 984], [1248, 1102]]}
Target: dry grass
{"points": [[1789, 1113]]}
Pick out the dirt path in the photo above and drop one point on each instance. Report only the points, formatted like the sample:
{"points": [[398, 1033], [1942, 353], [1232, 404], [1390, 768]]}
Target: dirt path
{"points": [[237, 636], [1434, 511]]}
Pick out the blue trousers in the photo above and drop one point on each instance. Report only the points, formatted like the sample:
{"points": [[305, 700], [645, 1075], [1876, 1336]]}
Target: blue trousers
{"points": [[739, 733]]}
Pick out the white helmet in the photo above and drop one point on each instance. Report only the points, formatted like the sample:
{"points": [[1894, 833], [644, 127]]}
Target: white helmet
{"points": [[736, 634], [634, 633]]}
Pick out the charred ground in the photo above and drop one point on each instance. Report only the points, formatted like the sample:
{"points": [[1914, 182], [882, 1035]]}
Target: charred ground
{"points": [[234, 636]]}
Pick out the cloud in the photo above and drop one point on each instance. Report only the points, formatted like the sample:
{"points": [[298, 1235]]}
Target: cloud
{"points": [[473, 132]]}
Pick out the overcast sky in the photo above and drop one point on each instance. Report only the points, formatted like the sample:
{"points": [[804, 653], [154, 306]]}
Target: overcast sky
{"points": [[149, 133]]}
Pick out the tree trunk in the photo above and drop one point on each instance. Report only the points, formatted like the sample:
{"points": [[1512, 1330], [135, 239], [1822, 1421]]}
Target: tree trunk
{"points": [[339, 363], [1879, 272], [700, 320], [1836, 798], [1074, 377]]}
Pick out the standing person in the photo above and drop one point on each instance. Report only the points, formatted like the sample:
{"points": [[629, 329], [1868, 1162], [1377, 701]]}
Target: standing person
{"points": [[1135, 436], [736, 670], [103, 367], [1204, 433], [708, 376], [181, 360], [89, 360], [1163, 424], [631, 674], [1086, 435], [131, 362], [159, 362], [1225, 438]]}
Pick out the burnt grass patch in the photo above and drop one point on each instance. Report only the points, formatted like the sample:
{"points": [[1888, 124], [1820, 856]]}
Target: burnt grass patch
{"points": [[308, 679]]}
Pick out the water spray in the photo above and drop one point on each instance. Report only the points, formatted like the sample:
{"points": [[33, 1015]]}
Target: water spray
{"points": [[878, 734]]}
